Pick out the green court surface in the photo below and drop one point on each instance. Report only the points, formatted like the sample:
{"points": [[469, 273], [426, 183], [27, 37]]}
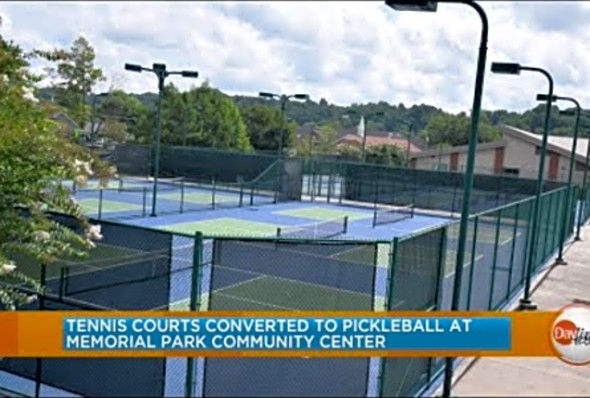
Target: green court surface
{"points": [[324, 214], [201, 197], [108, 206], [273, 293], [225, 227], [359, 255]]}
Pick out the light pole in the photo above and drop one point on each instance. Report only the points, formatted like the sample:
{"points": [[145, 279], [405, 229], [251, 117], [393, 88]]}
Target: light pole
{"points": [[160, 71], [431, 6], [364, 141], [543, 97], [510, 68], [584, 193], [284, 99]]}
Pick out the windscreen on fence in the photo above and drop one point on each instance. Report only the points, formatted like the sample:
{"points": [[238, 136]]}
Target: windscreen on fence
{"points": [[133, 160], [131, 268], [426, 189], [224, 165], [287, 275], [416, 273]]}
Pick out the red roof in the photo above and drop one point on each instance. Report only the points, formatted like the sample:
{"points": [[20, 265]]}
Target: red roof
{"points": [[371, 140]]}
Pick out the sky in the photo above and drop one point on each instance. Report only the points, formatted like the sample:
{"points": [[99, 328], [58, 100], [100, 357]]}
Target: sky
{"points": [[344, 52]]}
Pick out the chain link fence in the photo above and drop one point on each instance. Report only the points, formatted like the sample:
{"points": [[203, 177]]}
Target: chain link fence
{"points": [[135, 268]]}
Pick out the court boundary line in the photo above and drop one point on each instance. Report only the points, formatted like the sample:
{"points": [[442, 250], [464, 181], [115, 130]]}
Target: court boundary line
{"points": [[291, 280], [331, 256], [256, 302]]}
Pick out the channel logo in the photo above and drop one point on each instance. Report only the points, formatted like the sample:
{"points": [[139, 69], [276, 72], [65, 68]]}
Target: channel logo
{"points": [[570, 335]]}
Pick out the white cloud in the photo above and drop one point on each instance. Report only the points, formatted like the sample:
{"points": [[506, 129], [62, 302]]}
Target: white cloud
{"points": [[345, 52]]}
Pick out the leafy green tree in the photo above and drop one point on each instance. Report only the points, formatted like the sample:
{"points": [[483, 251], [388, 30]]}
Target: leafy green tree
{"points": [[120, 112], [202, 116], [34, 157], [264, 125], [350, 152], [326, 143], [385, 154], [77, 76], [453, 130]]}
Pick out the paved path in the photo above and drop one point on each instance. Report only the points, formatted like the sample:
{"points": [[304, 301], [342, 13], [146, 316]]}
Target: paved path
{"points": [[538, 376]]}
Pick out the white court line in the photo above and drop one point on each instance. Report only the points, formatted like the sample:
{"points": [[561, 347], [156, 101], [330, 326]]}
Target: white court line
{"points": [[256, 302], [238, 284], [477, 258], [510, 239], [296, 281], [301, 253]]}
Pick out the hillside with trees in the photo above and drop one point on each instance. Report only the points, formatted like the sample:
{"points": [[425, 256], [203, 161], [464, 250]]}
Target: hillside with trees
{"points": [[205, 116]]}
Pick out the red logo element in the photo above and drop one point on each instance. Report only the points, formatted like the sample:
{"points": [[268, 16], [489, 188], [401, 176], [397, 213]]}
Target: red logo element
{"points": [[564, 332]]}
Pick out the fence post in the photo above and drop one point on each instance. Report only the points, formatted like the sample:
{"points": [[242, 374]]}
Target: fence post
{"points": [[440, 277], [559, 222], [388, 299], [194, 304], [39, 361], [547, 249], [100, 204], [528, 252], [214, 183], [512, 249], [143, 212], [495, 260], [441, 267], [329, 194], [583, 207], [473, 249], [181, 195]]}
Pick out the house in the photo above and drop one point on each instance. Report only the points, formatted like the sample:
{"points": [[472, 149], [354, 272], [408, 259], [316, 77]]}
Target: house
{"points": [[307, 132], [517, 153], [377, 138]]}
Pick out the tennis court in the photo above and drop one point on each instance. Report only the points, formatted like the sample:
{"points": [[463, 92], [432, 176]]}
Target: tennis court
{"points": [[129, 198]]}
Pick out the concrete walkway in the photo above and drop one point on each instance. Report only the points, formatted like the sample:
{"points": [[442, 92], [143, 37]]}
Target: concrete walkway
{"points": [[561, 285]]}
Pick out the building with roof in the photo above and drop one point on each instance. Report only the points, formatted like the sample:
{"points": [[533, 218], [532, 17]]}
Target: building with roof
{"points": [[517, 153], [378, 138]]}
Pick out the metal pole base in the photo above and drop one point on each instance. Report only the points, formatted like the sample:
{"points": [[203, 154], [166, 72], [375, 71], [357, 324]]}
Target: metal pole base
{"points": [[560, 261], [527, 305], [153, 215], [577, 239]]}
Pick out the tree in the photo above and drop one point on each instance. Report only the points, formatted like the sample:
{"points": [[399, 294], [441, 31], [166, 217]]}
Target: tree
{"points": [[453, 130], [264, 125], [77, 76], [385, 154], [34, 157], [202, 116], [120, 117], [350, 152], [327, 138]]}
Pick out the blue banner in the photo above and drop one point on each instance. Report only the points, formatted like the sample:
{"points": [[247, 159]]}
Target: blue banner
{"points": [[282, 334]]}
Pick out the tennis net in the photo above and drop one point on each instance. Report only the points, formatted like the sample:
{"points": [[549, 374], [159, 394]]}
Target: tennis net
{"points": [[392, 214], [132, 184], [324, 229]]}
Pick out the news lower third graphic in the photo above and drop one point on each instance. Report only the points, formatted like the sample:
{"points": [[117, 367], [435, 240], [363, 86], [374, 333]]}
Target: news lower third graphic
{"points": [[285, 334], [570, 335]]}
